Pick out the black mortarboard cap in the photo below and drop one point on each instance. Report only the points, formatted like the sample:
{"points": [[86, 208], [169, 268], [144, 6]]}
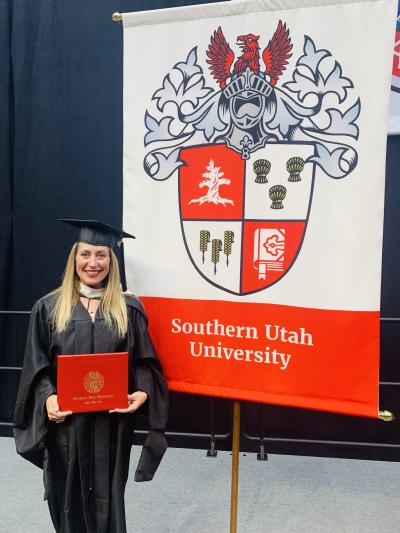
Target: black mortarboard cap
{"points": [[97, 233], [102, 234]]}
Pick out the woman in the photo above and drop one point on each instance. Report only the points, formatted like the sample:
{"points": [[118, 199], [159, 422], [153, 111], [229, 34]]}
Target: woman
{"points": [[85, 456]]}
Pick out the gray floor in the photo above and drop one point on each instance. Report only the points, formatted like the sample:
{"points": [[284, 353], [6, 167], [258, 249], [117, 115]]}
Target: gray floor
{"points": [[191, 494]]}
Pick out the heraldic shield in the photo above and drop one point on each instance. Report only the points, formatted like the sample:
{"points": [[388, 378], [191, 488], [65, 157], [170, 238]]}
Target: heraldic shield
{"points": [[244, 220]]}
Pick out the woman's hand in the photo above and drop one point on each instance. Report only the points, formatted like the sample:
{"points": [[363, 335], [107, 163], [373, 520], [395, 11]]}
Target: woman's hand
{"points": [[53, 410], [135, 401]]}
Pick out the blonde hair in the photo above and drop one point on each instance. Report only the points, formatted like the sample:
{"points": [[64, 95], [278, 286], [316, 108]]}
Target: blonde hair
{"points": [[112, 302]]}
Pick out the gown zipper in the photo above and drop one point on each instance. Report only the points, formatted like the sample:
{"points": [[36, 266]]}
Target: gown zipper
{"points": [[91, 427], [91, 457]]}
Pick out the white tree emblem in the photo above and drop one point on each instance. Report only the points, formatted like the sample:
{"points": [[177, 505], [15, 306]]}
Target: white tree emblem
{"points": [[213, 182]]}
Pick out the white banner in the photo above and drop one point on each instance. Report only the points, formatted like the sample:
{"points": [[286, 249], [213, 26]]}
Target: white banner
{"points": [[394, 113], [254, 164]]}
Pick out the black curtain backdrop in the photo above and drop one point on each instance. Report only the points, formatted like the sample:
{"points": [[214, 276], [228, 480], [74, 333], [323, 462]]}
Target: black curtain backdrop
{"points": [[61, 157]]}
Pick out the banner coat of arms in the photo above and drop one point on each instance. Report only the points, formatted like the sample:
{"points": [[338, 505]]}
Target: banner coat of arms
{"points": [[254, 153]]}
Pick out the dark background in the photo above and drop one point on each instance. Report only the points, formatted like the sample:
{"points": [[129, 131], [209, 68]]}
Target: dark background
{"points": [[61, 157]]}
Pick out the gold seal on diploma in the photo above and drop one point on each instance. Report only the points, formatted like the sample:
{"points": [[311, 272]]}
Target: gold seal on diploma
{"points": [[93, 381]]}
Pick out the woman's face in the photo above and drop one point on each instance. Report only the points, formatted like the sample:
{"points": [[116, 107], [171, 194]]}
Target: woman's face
{"points": [[92, 264]]}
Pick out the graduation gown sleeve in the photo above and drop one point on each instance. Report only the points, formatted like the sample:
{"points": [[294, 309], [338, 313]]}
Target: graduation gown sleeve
{"points": [[149, 378], [36, 385]]}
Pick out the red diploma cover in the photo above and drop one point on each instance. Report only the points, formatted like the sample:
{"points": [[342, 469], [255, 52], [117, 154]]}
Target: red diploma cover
{"points": [[92, 382]]}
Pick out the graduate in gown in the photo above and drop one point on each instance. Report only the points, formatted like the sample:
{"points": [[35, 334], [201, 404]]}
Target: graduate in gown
{"points": [[85, 456]]}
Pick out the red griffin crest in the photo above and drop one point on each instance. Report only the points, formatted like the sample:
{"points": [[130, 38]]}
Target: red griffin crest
{"points": [[246, 186], [275, 55]]}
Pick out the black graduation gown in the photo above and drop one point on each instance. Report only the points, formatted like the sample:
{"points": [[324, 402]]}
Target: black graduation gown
{"points": [[85, 459]]}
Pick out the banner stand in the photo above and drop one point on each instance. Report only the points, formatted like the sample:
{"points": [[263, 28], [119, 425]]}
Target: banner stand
{"points": [[235, 465], [386, 416]]}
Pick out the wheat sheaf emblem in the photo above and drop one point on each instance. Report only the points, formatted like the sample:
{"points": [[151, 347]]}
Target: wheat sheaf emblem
{"points": [[93, 381], [216, 246]]}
